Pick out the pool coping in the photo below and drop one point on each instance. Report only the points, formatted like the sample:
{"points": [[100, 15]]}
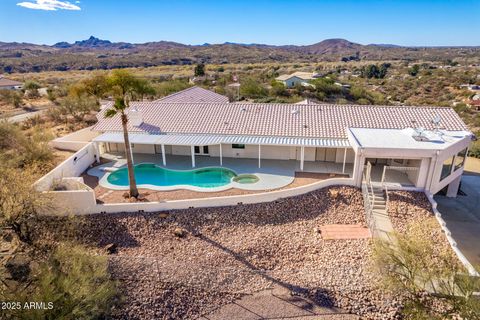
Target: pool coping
{"points": [[103, 180]]}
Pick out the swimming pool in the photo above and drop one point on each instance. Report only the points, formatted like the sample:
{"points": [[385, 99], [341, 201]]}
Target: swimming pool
{"points": [[151, 174]]}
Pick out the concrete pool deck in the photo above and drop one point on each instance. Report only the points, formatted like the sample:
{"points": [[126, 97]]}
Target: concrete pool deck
{"points": [[273, 174]]}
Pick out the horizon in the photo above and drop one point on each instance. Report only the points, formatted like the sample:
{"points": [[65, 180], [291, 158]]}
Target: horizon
{"points": [[409, 23]]}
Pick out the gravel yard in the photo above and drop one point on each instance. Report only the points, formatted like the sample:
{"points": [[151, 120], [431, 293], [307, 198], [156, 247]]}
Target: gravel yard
{"points": [[184, 264]]}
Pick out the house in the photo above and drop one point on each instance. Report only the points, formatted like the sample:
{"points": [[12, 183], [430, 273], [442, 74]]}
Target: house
{"points": [[297, 78], [474, 104], [7, 84], [471, 87], [419, 148], [194, 95]]}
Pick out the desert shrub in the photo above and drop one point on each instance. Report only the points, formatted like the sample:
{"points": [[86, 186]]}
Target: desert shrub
{"points": [[31, 89], [252, 89], [168, 87], [78, 106], [11, 97], [76, 283], [19, 148], [427, 274]]}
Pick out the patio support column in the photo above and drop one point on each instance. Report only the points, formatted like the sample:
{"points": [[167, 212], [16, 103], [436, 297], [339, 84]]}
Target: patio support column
{"points": [[164, 157], [259, 154], [344, 159], [302, 157], [131, 153], [97, 152], [192, 148], [221, 159]]}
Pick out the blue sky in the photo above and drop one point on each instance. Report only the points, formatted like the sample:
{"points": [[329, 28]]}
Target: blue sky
{"points": [[416, 23]]}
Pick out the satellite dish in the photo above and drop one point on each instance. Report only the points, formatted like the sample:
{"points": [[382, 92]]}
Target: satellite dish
{"points": [[437, 120]]}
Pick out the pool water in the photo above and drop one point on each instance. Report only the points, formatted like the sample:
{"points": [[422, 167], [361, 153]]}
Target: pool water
{"points": [[151, 174]]}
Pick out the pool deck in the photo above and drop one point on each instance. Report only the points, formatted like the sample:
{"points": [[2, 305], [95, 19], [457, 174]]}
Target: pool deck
{"points": [[273, 174]]}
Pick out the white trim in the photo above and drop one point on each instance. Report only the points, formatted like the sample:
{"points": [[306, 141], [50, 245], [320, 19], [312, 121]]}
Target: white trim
{"points": [[206, 139], [302, 157]]}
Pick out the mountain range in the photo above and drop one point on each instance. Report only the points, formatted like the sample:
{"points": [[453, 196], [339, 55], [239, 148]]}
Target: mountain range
{"points": [[95, 53]]}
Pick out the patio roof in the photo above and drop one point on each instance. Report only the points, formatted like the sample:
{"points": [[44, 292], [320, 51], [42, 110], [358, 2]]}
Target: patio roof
{"points": [[201, 140]]}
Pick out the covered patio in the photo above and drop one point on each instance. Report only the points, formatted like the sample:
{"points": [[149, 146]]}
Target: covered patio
{"points": [[273, 174], [158, 144]]}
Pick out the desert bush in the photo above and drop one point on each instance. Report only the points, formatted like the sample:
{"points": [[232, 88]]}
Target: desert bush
{"points": [[11, 97], [252, 89], [426, 273]]}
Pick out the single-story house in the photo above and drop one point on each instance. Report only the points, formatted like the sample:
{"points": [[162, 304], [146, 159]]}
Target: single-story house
{"points": [[428, 145], [7, 84], [297, 78], [194, 95]]}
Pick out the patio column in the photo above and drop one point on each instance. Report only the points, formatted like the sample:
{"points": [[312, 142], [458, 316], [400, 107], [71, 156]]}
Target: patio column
{"points": [[344, 159], [221, 159], [302, 157], [131, 153], [164, 157], [259, 154], [192, 148], [97, 152]]}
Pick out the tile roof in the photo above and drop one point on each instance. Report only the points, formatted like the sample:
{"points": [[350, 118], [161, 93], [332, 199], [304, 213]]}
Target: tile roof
{"points": [[286, 120], [194, 95], [4, 82]]}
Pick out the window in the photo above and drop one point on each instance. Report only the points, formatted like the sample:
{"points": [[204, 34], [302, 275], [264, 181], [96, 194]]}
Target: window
{"points": [[238, 146], [197, 149], [460, 159], [205, 149], [446, 168]]}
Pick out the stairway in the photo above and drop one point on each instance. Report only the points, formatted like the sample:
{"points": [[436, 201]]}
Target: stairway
{"points": [[380, 222]]}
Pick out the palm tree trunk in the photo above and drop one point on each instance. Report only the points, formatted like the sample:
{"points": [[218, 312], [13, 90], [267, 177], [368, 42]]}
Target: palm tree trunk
{"points": [[128, 151]]}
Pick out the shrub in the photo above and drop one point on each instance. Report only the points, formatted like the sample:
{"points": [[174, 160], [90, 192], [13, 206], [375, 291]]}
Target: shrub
{"points": [[76, 283], [427, 274]]}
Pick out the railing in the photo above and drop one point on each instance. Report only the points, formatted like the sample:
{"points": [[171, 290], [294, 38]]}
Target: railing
{"points": [[368, 204]]}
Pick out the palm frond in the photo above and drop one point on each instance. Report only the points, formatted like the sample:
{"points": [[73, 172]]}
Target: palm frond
{"points": [[110, 113]]}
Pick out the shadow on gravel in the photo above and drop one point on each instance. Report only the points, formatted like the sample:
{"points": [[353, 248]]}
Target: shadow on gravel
{"points": [[320, 296]]}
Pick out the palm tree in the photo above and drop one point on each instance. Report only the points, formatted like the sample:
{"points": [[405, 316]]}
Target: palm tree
{"points": [[125, 86]]}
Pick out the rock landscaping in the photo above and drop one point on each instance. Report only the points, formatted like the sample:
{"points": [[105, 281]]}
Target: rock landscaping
{"points": [[185, 264]]}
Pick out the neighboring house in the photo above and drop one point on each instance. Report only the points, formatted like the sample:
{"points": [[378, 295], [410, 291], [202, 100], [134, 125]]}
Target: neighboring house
{"points": [[297, 78], [194, 95], [7, 84], [471, 87], [474, 104], [428, 145]]}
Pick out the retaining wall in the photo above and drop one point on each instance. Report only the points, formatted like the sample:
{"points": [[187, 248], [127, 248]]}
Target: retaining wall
{"points": [[78, 202], [76, 140], [74, 166]]}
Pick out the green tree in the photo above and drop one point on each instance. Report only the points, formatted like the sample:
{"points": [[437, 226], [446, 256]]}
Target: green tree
{"points": [[250, 88], [199, 70], [414, 70], [125, 86]]}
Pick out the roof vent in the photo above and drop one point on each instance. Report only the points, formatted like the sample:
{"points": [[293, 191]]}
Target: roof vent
{"points": [[295, 111]]}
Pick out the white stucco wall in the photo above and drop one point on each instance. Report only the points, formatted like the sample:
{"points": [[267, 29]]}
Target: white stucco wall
{"points": [[74, 166]]}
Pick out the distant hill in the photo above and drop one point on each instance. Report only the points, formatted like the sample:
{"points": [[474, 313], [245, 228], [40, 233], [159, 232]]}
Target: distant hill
{"points": [[94, 53], [331, 46]]}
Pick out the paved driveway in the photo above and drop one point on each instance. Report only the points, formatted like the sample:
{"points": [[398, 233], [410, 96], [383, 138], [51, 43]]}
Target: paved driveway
{"points": [[462, 215]]}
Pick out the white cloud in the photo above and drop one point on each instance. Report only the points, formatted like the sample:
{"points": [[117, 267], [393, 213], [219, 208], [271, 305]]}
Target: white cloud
{"points": [[50, 5]]}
